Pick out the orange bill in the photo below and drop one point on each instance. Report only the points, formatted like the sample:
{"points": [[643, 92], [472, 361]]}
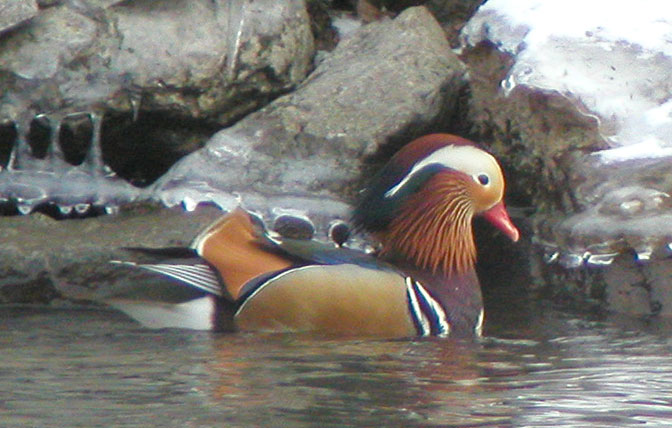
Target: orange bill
{"points": [[499, 217]]}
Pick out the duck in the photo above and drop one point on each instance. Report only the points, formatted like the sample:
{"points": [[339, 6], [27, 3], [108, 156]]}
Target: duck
{"points": [[239, 276]]}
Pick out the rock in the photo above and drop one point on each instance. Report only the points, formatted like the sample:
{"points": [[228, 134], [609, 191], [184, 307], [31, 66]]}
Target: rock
{"points": [[223, 59], [199, 59], [451, 14], [15, 13], [391, 80], [578, 102], [41, 256], [658, 276], [625, 289]]}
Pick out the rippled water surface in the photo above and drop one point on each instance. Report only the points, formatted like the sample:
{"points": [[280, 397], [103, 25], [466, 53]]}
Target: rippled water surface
{"points": [[537, 367]]}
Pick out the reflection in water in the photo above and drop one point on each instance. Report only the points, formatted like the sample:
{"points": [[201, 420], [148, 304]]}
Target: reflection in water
{"points": [[363, 382], [74, 367]]}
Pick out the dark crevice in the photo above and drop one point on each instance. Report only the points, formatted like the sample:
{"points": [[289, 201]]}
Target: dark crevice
{"points": [[139, 151], [75, 138], [38, 137], [143, 150]]}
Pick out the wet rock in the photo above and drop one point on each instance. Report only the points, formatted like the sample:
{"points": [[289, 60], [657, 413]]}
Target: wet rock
{"points": [[201, 59], [580, 106], [293, 225], [14, 13], [390, 80], [42, 256], [626, 290], [658, 279]]}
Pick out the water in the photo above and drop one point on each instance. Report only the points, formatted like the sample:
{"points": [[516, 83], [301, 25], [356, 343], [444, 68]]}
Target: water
{"points": [[536, 367]]}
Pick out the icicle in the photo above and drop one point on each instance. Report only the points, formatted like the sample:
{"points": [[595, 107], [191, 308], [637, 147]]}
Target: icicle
{"points": [[24, 209], [55, 155], [601, 259], [94, 159], [135, 100], [339, 232], [189, 204], [111, 209], [21, 149], [571, 260], [551, 256], [643, 254]]}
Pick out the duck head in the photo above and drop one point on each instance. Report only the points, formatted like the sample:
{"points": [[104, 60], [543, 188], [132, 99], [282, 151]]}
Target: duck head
{"points": [[421, 204]]}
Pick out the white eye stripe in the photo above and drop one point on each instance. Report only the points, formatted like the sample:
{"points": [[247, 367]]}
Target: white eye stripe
{"points": [[406, 178], [468, 159]]}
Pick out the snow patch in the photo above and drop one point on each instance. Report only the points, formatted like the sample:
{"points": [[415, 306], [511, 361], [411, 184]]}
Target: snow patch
{"points": [[613, 60]]}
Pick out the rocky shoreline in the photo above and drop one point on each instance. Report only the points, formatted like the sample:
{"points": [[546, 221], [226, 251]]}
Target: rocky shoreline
{"points": [[144, 109]]}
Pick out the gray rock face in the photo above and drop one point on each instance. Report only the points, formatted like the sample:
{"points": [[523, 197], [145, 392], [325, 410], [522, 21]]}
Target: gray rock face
{"points": [[192, 58], [14, 13], [581, 106], [389, 79]]}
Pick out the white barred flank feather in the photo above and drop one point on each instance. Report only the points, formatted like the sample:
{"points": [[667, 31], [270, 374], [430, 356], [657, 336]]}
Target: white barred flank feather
{"points": [[200, 276]]}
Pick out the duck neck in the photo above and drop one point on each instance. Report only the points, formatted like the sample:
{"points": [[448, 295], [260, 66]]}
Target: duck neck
{"points": [[432, 241], [433, 231]]}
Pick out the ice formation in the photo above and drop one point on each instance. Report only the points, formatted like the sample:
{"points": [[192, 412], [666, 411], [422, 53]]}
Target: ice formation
{"points": [[29, 182]]}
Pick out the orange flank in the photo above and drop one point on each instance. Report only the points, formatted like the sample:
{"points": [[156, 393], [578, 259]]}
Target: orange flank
{"points": [[233, 249]]}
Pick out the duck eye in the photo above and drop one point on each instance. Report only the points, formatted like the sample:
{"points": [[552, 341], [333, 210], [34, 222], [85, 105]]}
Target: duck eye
{"points": [[483, 179]]}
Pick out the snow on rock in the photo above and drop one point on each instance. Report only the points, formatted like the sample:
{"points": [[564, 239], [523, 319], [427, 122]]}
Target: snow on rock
{"points": [[613, 60]]}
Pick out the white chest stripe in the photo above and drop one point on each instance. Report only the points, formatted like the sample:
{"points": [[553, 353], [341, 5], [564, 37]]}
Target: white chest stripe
{"points": [[479, 324], [432, 319], [416, 311]]}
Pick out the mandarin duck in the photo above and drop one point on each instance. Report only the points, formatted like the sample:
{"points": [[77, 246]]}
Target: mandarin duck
{"points": [[236, 275]]}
